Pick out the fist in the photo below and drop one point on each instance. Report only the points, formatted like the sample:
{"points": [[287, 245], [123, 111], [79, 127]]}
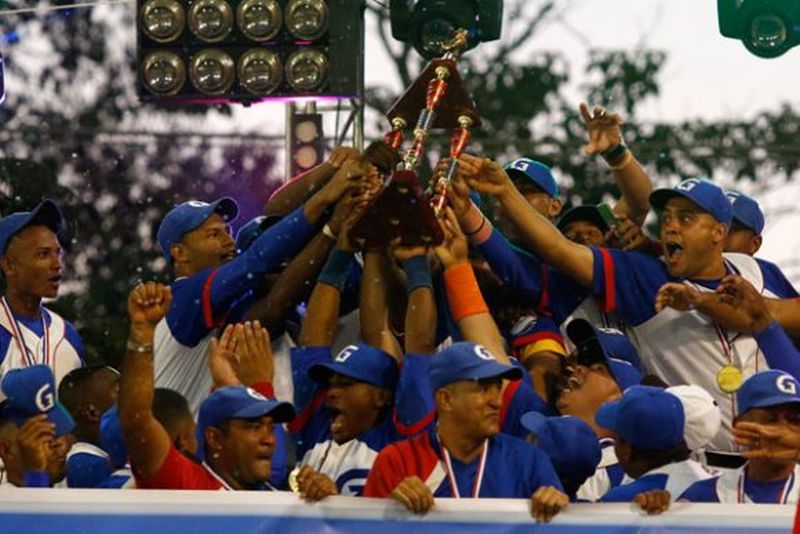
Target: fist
{"points": [[148, 303]]}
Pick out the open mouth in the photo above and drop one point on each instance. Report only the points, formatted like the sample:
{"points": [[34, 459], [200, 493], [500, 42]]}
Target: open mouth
{"points": [[673, 251], [337, 420]]}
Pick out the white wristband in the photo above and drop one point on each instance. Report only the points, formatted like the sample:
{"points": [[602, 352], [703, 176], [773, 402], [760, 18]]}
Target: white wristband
{"points": [[326, 230]]}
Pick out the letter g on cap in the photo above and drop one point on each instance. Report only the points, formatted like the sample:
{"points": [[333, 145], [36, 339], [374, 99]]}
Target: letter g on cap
{"points": [[44, 398], [786, 384]]}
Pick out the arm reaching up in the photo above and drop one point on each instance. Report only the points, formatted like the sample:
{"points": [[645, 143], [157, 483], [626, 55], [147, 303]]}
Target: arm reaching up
{"points": [[542, 237], [463, 294], [148, 442]]}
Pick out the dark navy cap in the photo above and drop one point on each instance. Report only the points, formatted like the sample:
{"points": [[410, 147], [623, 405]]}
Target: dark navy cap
{"points": [[185, 217], [588, 213], [31, 391], [647, 417], [570, 443], [767, 388], [467, 361], [608, 346], [45, 214], [705, 193], [254, 228], [534, 171], [237, 402], [361, 362], [746, 211]]}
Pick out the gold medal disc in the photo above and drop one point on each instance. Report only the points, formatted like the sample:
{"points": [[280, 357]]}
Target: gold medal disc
{"points": [[730, 378], [293, 484]]}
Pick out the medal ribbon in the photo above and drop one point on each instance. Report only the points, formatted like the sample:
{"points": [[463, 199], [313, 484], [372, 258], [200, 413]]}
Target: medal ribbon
{"points": [[448, 467], [782, 498], [221, 480], [28, 355]]}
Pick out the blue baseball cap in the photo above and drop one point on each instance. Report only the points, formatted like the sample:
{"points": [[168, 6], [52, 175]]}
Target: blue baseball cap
{"points": [[608, 346], [571, 444], [705, 193], [252, 229], [534, 171], [647, 417], [45, 214], [588, 213], [185, 217], [467, 361], [237, 402], [746, 211], [31, 391], [111, 438], [767, 388], [361, 362]]}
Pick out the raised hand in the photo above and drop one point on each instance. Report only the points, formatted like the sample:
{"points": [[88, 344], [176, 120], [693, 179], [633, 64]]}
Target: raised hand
{"points": [[604, 129], [484, 175], [626, 235], [454, 248], [349, 177], [546, 502], [256, 362], [315, 486], [653, 502], [341, 154], [35, 439], [678, 296], [773, 442], [148, 303], [743, 297], [414, 495], [223, 360]]}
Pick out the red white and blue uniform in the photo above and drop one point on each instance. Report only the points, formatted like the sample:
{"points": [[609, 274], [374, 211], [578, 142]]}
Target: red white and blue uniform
{"points": [[627, 283], [507, 467], [201, 303], [348, 464], [48, 339], [734, 487]]}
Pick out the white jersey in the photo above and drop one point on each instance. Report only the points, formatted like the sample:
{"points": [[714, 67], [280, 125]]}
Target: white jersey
{"points": [[48, 340], [732, 487], [680, 347], [348, 464], [609, 474]]}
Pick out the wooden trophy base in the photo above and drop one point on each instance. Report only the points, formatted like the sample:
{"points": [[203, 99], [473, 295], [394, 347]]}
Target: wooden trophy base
{"points": [[402, 214]]}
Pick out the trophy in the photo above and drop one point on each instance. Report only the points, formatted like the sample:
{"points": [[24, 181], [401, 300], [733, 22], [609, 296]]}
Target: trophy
{"points": [[403, 212]]}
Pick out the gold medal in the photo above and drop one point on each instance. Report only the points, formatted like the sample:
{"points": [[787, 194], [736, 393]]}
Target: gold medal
{"points": [[730, 378], [294, 485]]}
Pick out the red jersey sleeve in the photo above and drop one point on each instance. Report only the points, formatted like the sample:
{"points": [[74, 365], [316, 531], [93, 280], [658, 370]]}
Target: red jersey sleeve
{"points": [[386, 473], [178, 472]]}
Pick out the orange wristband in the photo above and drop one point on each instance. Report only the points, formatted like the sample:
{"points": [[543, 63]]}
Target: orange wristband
{"points": [[463, 293]]}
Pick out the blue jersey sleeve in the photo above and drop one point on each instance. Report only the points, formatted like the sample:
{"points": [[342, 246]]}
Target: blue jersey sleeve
{"points": [[271, 249], [775, 281], [414, 409], [701, 491], [86, 470], [628, 492], [561, 295], [5, 342], [515, 267], [312, 423], [189, 317], [778, 349], [542, 473], [518, 399], [627, 283]]}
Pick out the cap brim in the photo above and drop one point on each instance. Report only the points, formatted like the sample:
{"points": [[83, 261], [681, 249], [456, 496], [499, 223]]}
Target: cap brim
{"points": [[580, 331], [533, 422], [321, 372], [588, 214], [57, 415], [606, 415], [769, 402], [625, 374], [47, 214], [227, 208], [660, 197], [281, 412], [498, 370]]}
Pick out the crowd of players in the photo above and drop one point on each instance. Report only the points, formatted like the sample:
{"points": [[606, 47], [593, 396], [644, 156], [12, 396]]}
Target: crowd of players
{"points": [[533, 354]]}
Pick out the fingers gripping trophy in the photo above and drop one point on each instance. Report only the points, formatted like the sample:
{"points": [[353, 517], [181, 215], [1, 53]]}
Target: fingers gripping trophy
{"points": [[403, 212]]}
